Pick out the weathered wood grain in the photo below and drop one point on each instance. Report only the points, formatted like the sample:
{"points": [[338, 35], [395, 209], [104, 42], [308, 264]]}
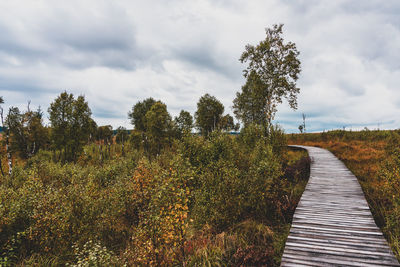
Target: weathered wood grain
{"points": [[333, 225]]}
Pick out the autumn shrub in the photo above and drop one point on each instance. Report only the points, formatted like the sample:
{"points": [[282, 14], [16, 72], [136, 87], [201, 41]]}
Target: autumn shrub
{"points": [[160, 234], [390, 176], [195, 149], [252, 184], [58, 205], [16, 210], [250, 135], [232, 185], [255, 238], [277, 140], [216, 200], [219, 201]]}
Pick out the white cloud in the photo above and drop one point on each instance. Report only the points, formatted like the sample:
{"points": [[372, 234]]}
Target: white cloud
{"points": [[117, 53]]}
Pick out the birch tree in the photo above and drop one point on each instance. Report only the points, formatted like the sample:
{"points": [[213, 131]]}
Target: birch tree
{"points": [[273, 68]]}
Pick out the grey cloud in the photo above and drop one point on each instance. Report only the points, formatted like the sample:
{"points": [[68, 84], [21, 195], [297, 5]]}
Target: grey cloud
{"points": [[388, 7], [11, 44], [118, 53], [206, 56], [107, 113], [199, 57], [21, 85], [77, 38], [351, 88]]}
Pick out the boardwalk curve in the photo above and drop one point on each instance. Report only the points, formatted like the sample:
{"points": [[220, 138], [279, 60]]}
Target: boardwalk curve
{"points": [[332, 224]]}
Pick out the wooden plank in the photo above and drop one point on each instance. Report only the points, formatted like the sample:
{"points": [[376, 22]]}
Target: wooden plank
{"points": [[335, 245], [340, 230], [320, 255], [334, 249], [336, 236], [347, 242], [301, 260], [337, 219], [333, 225]]}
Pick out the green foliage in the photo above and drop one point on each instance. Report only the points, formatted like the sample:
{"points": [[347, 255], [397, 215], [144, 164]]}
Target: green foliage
{"points": [[219, 194], [251, 134], [28, 134], [138, 113], [158, 127], [92, 130], [104, 134], [234, 185], [69, 119], [183, 123], [209, 113], [122, 135], [154, 129], [272, 71], [136, 139], [277, 139], [226, 123], [249, 106]]}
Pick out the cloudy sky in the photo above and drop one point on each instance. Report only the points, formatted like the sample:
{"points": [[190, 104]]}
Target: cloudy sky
{"points": [[119, 52]]}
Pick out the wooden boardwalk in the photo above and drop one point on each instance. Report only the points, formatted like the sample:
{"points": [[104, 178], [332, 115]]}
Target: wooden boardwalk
{"points": [[332, 225]]}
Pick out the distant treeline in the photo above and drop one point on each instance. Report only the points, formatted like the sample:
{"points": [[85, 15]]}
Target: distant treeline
{"points": [[72, 126]]}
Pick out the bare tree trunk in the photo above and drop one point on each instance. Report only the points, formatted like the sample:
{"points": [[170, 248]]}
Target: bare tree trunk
{"points": [[2, 124], [1, 168], [123, 151], [9, 156], [268, 115], [109, 148], [33, 148], [101, 152], [29, 151]]}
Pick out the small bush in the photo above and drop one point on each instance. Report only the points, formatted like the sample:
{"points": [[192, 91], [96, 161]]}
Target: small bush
{"points": [[93, 254]]}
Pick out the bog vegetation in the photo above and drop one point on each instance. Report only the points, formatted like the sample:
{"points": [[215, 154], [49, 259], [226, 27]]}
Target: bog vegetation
{"points": [[374, 157], [78, 194], [218, 200]]}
